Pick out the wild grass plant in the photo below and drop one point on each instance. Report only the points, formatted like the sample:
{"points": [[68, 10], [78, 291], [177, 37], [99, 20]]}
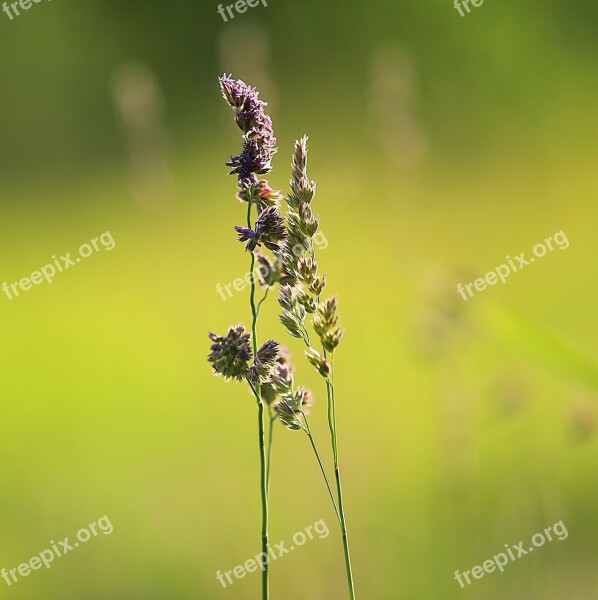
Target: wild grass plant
{"points": [[284, 248]]}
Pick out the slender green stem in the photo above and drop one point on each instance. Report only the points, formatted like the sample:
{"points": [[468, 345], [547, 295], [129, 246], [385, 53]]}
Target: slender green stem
{"points": [[270, 437], [253, 388], [331, 416], [337, 475], [262, 300], [252, 280], [264, 495], [262, 447], [313, 445]]}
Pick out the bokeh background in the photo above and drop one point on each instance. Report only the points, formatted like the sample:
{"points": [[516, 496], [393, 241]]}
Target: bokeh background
{"points": [[440, 144]]}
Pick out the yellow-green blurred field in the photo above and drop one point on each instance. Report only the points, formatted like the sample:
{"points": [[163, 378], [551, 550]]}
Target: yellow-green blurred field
{"points": [[440, 145]]}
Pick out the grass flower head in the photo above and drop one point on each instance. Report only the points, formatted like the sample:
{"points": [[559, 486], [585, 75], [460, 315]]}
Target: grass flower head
{"points": [[230, 354]]}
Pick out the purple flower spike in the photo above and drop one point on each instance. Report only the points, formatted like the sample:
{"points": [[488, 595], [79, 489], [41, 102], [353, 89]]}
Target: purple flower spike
{"points": [[249, 236], [230, 354], [269, 230], [259, 143]]}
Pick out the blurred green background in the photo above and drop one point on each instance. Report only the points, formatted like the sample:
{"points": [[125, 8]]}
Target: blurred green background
{"points": [[440, 145]]}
